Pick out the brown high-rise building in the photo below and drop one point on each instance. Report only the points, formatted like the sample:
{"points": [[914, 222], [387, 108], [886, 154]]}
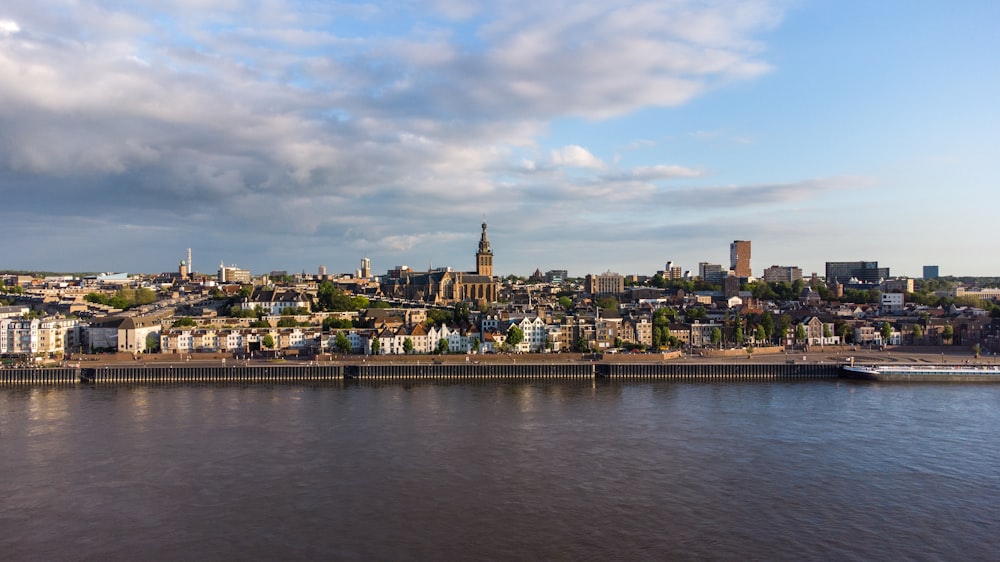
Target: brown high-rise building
{"points": [[739, 258]]}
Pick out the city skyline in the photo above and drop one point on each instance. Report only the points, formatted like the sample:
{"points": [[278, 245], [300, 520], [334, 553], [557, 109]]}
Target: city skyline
{"points": [[593, 136]]}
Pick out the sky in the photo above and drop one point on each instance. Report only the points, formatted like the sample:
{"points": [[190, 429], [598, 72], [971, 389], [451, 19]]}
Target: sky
{"points": [[613, 135]]}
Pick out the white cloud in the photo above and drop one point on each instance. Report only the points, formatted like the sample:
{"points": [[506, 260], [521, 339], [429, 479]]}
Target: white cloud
{"points": [[328, 119], [660, 172], [576, 156], [9, 27], [762, 194]]}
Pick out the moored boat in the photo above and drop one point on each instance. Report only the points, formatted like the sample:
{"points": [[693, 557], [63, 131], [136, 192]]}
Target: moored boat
{"points": [[922, 373]]}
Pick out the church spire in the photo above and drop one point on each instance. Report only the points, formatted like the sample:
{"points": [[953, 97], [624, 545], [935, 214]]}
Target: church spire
{"points": [[484, 257], [484, 241]]}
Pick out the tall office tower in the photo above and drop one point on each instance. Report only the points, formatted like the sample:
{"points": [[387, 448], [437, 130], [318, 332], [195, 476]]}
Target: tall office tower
{"points": [[931, 272], [739, 258], [366, 268], [322, 271]]}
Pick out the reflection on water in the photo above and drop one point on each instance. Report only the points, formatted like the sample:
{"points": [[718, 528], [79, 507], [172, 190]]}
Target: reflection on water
{"points": [[568, 470]]}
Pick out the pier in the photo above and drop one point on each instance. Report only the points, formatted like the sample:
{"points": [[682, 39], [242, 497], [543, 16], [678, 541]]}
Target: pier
{"points": [[382, 371]]}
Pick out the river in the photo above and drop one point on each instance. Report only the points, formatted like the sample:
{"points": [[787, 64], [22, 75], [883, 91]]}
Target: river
{"points": [[555, 471]]}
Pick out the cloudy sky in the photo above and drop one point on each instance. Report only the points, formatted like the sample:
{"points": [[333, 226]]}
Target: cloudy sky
{"points": [[592, 136]]}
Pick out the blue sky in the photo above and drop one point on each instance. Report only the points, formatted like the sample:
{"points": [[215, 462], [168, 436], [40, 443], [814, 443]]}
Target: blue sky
{"points": [[614, 135]]}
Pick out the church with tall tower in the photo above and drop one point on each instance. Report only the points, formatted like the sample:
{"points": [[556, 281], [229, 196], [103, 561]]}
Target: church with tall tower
{"points": [[444, 286], [484, 257]]}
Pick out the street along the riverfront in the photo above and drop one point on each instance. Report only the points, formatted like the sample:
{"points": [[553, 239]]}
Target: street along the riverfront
{"points": [[816, 355], [731, 365]]}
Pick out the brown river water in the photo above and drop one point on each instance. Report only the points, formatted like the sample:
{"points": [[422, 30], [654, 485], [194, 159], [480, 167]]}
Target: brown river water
{"points": [[578, 470]]}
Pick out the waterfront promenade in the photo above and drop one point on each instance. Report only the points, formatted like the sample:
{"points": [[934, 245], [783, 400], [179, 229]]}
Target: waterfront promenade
{"points": [[775, 364], [829, 354], [772, 364]]}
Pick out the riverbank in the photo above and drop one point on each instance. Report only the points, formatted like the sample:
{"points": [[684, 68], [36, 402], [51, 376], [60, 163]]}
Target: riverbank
{"points": [[831, 354]]}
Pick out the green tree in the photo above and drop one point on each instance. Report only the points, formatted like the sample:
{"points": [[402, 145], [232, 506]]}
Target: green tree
{"points": [[476, 345], [976, 350], [784, 323], [660, 335], [797, 287], [287, 322], [267, 341], [438, 317], [144, 296], [407, 346], [331, 323], [565, 302], [341, 343], [918, 333], [886, 331], [800, 334], [184, 322], [760, 335], [716, 337], [767, 323], [693, 313], [515, 335], [237, 311], [947, 333], [608, 303], [153, 343], [376, 346], [330, 298], [442, 346], [97, 298], [461, 314], [844, 331]]}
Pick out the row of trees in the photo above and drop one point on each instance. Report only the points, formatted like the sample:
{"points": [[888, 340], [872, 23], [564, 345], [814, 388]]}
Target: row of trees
{"points": [[124, 298]]}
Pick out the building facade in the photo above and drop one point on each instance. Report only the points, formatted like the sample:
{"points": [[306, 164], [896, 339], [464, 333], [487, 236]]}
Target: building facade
{"points": [[739, 258], [444, 286], [849, 272], [711, 272], [606, 283], [484, 257], [233, 275], [782, 274]]}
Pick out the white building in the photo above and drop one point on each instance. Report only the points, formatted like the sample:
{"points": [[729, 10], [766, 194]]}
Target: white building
{"points": [[536, 333], [51, 337], [891, 303], [275, 301]]}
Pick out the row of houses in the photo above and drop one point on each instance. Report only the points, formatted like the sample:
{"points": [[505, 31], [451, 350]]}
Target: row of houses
{"points": [[399, 331], [23, 337]]}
